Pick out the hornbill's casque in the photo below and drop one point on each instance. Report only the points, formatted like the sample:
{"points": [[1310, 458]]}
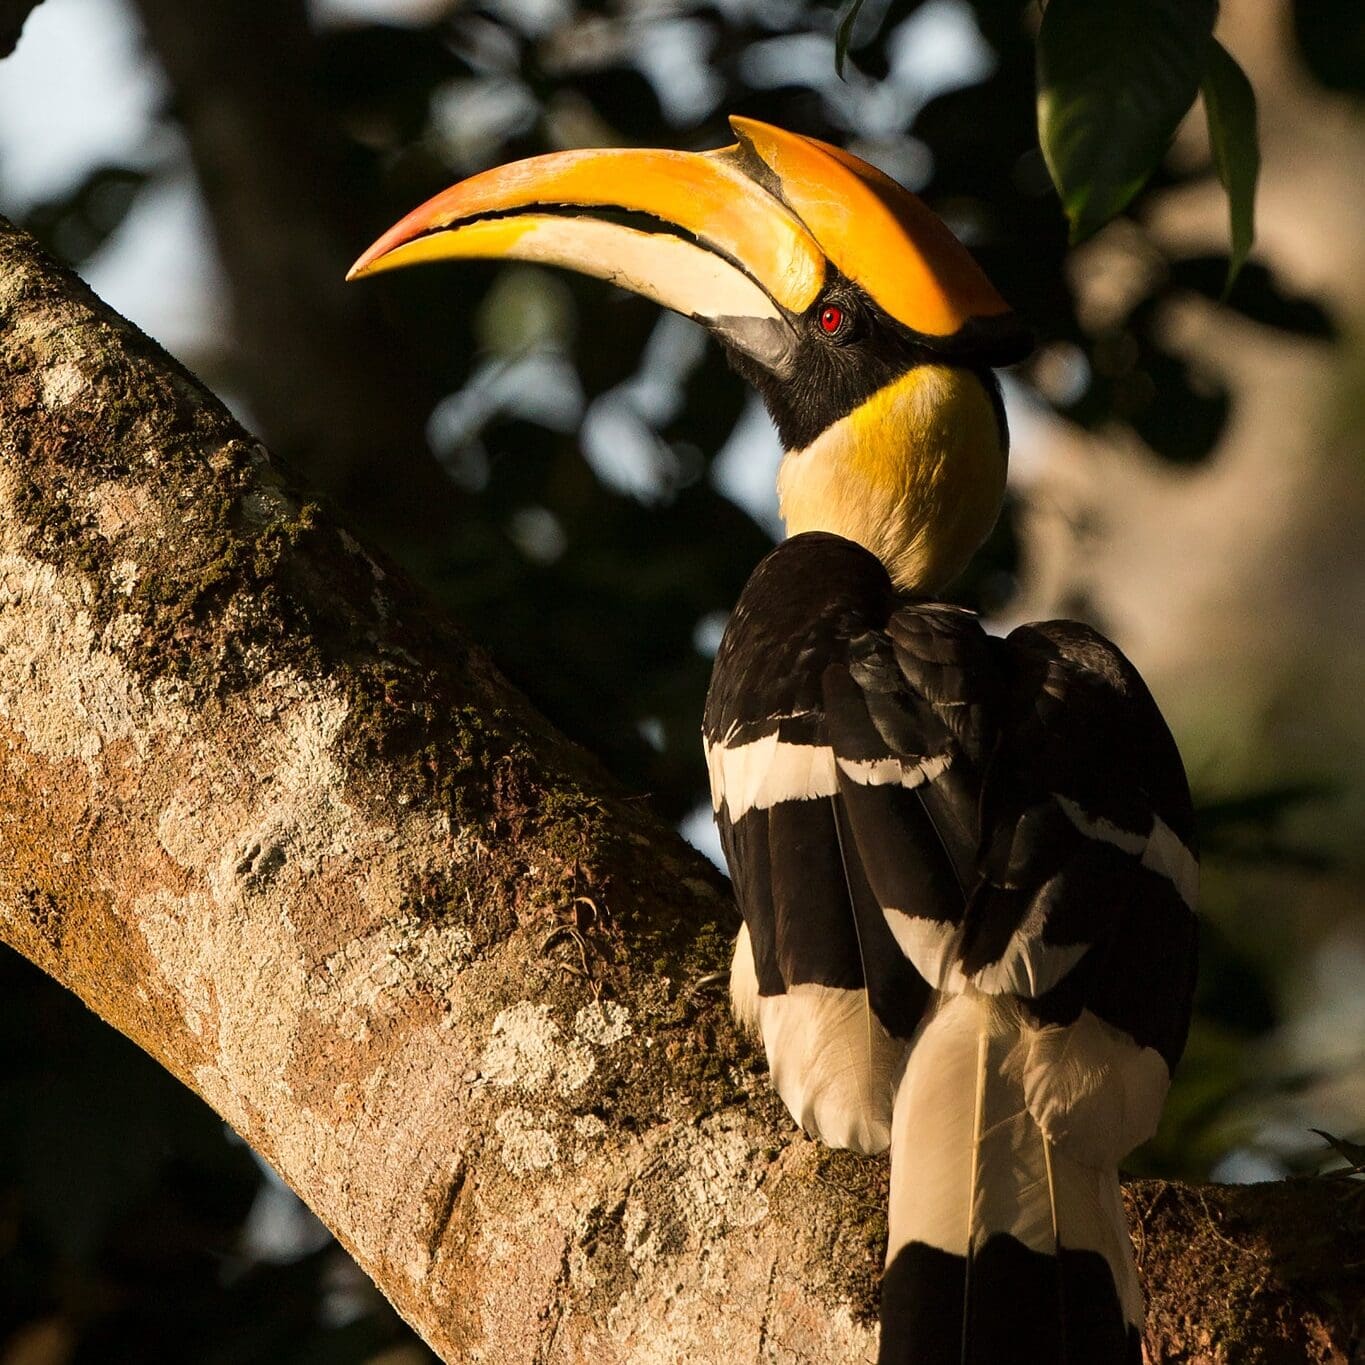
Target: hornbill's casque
{"points": [[966, 864]]}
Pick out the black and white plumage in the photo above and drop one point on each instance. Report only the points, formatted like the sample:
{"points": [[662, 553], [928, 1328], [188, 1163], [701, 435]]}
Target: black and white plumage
{"points": [[966, 867], [965, 864]]}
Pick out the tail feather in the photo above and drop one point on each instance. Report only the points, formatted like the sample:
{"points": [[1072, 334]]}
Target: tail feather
{"points": [[1002, 1246]]}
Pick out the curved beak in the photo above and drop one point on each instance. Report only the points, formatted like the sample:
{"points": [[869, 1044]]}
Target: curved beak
{"points": [[689, 230], [742, 239]]}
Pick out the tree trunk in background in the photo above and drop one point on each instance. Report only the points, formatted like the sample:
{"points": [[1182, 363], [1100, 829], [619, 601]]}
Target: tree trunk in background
{"points": [[329, 381], [1237, 586], [300, 841]]}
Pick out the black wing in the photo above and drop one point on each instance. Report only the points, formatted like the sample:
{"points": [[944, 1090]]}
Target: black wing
{"points": [[908, 805], [1091, 838]]}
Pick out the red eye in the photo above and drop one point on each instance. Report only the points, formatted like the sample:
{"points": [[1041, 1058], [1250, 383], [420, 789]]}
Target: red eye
{"points": [[831, 319]]}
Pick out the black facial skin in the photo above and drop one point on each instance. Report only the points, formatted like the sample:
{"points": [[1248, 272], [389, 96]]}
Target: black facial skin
{"points": [[828, 376]]}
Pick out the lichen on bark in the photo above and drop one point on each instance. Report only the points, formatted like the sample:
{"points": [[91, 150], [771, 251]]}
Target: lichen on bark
{"points": [[275, 819]]}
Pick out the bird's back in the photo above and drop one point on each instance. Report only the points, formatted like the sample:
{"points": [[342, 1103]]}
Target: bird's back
{"points": [[967, 876]]}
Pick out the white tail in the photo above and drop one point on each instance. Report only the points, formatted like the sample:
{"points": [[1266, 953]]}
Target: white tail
{"points": [[1003, 1245]]}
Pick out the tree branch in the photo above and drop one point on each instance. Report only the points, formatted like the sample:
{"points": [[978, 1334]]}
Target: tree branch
{"points": [[296, 837]]}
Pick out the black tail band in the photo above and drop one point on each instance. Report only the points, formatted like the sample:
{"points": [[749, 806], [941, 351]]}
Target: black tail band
{"points": [[1016, 1314]]}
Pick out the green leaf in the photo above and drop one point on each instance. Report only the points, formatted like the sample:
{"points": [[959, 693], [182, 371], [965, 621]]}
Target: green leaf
{"points": [[1230, 104], [1115, 77], [844, 34]]}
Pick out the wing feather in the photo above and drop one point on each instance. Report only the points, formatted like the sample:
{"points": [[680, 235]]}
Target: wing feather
{"points": [[908, 805]]}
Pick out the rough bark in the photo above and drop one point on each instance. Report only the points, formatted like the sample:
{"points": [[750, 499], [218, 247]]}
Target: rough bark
{"points": [[286, 829], [1251, 1274]]}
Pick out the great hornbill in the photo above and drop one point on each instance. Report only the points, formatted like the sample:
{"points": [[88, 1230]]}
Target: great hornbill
{"points": [[966, 864]]}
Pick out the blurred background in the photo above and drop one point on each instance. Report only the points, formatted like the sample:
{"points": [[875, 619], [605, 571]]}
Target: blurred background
{"points": [[584, 484]]}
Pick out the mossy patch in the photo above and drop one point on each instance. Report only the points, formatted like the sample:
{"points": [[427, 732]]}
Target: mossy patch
{"points": [[1251, 1275]]}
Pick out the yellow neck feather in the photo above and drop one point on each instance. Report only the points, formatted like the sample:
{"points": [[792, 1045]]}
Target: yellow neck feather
{"points": [[916, 474]]}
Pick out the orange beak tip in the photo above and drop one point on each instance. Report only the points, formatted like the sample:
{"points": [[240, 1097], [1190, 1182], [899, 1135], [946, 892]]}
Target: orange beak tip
{"points": [[365, 262]]}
